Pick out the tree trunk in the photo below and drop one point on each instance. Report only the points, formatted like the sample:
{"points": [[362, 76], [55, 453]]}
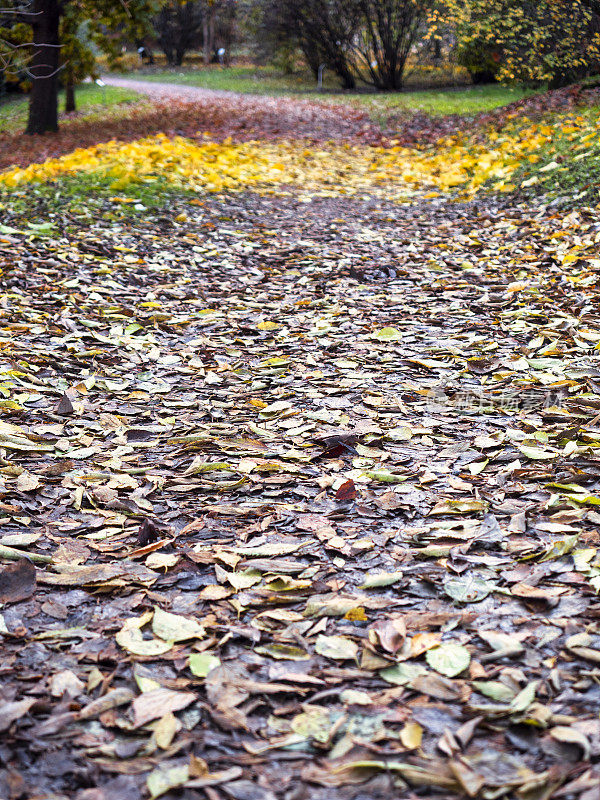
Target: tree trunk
{"points": [[210, 51], [205, 38], [347, 79], [70, 95], [43, 103], [312, 58]]}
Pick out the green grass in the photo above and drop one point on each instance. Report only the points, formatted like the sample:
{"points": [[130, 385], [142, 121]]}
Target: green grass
{"points": [[79, 199], [89, 98], [267, 80], [462, 100], [247, 80], [568, 170]]}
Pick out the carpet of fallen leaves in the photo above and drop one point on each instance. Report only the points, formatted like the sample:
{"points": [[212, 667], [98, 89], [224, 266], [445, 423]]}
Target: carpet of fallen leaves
{"points": [[330, 169], [247, 117], [241, 117], [421, 128], [298, 500]]}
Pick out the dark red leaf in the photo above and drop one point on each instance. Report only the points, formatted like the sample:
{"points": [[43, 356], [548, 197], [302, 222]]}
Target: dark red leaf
{"points": [[347, 491]]}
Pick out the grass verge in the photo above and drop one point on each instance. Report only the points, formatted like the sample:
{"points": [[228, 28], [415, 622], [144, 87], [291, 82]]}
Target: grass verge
{"points": [[266, 80], [567, 169], [51, 208], [90, 98]]}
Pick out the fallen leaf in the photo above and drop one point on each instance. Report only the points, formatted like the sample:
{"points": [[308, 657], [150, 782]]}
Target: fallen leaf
{"points": [[157, 703], [17, 581], [201, 664], [448, 659], [175, 628], [338, 648]]}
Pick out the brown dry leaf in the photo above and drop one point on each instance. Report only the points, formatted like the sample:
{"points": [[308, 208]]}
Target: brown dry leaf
{"points": [[437, 686], [411, 735], [112, 699], [157, 703], [422, 642], [11, 712], [17, 581], [388, 634], [99, 573], [346, 492], [165, 730], [26, 482]]}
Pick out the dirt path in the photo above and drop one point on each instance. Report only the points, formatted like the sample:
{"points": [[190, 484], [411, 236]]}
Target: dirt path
{"points": [[303, 429], [298, 497], [269, 116], [175, 91]]}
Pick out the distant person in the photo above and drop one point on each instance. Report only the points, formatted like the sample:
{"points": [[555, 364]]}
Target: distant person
{"points": [[145, 55]]}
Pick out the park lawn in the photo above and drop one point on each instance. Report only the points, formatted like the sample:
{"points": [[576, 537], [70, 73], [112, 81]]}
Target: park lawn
{"points": [[90, 98], [462, 100], [244, 79], [458, 99]]}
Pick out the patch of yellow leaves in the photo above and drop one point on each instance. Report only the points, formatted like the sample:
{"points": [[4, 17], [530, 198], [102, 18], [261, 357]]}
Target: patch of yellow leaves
{"points": [[329, 170]]}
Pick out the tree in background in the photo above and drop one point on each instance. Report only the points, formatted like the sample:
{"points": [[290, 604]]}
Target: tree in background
{"points": [[480, 58], [14, 51], [554, 41], [218, 18], [226, 29], [389, 30], [178, 28], [76, 56], [356, 39], [108, 21], [325, 31], [535, 41], [267, 24]]}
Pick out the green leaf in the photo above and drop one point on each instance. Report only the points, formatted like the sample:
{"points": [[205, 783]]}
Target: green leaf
{"points": [[42, 228], [338, 648], [131, 639], [560, 548], [163, 779], [378, 580], [495, 690], [388, 335], [537, 453], [400, 434], [198, 466], [448, 659], [283, 652], [383, 476], [313, 723], [201, 664], [402, 674], [468, 588], [458, 506], [525, 698], [174, 628]]}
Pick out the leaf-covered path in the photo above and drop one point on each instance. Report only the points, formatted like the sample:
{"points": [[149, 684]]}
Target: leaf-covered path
{"points": [[252, 114], [172, 91], [307, 486]]}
